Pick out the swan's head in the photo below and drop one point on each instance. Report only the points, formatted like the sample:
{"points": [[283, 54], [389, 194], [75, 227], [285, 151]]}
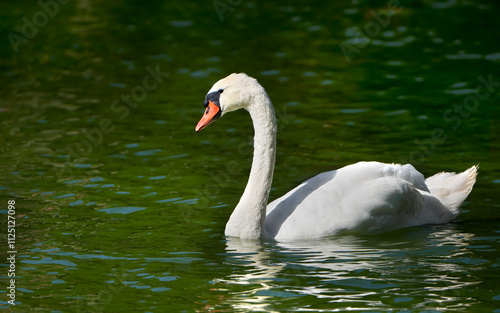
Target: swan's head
{"points": [[228, 94]]}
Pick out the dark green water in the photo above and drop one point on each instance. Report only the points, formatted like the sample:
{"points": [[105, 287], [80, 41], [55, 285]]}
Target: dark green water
{"points": [[121, 206]]}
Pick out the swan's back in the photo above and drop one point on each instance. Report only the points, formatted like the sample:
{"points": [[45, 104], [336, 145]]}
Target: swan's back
{"points": [[366, 197]]}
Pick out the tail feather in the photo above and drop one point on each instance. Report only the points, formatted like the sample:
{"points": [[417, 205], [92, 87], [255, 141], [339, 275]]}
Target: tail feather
{"points": [[452, 188]]}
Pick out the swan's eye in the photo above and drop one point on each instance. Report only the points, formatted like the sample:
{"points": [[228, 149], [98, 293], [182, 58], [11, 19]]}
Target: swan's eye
{"points": [[220, 90]]}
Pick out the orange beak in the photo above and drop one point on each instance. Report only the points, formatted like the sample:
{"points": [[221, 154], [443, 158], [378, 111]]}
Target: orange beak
{"points": [[211, 114]]}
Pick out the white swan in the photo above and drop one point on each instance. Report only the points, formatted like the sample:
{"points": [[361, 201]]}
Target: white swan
{"points": [[362, 197]]}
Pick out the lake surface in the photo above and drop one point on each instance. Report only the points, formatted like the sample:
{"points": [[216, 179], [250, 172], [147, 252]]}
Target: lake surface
{"points": [[120, 206]]}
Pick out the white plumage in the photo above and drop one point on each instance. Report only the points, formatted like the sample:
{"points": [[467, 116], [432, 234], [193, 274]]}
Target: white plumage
{"points": [[362, 197], [367, 197]]}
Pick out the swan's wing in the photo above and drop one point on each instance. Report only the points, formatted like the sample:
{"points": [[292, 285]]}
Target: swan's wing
{"points": [[338, 182], [405, 173], [365, 196]]}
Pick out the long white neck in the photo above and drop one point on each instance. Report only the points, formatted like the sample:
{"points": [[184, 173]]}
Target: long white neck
{"points": [[248, 218]]}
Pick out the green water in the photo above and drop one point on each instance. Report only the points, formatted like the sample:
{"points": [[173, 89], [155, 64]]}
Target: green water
{"points": [[120, 206]]}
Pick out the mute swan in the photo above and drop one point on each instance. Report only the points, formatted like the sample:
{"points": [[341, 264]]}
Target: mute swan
{"points": [[362, 197]]}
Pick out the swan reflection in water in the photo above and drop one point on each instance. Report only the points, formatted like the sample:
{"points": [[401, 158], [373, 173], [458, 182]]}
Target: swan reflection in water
{"points": [[350, 271]]}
